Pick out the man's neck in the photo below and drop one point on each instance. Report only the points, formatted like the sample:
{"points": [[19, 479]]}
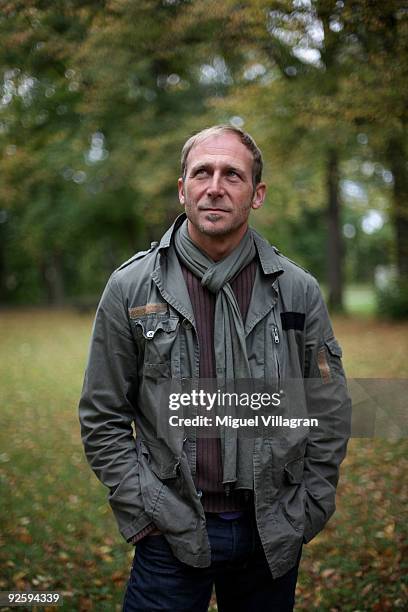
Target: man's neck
{"points": [[216, 247]]}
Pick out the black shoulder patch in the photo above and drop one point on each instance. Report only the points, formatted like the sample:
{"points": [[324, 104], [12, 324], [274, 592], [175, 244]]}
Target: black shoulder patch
{"points": [[293, 320]]}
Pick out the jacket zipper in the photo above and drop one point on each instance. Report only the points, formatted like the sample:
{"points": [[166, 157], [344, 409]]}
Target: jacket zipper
{"points": [[276, 340]]}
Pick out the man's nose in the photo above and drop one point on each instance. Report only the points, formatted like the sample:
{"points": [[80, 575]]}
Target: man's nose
{"points": [[215, 188]]}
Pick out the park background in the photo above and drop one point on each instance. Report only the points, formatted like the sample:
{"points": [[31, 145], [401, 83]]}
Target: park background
{"points": [[96, 100]]}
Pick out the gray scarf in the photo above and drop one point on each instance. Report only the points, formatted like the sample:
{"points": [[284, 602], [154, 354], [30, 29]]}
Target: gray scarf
{"points": [[231, 357]]}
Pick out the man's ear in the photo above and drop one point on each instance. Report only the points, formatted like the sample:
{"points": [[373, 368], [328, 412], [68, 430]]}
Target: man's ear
{"points": [[259, 196], [180, 185]]}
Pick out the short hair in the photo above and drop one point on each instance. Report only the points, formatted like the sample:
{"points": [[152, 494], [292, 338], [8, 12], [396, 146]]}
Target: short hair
{"points": [[215, 130]]}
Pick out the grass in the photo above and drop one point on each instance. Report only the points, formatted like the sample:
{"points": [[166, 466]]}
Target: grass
{"points": [[58, 532], [360, 300]]}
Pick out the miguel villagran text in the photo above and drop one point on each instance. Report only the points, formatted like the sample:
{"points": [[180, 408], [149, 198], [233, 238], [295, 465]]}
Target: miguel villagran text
{"points": [[235, 423]]}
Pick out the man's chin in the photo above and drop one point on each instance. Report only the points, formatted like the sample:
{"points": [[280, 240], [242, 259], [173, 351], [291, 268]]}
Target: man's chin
{"points": [[210, 228]]}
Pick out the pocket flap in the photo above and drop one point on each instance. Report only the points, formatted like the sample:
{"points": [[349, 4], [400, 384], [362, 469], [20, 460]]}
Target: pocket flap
{"points": [[334, 347], [294, 470], [149, 326]]}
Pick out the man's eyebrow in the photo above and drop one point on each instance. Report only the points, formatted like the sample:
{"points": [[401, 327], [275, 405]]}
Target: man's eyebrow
{"points": [[236, 169], [200, 166], [208, 165]]}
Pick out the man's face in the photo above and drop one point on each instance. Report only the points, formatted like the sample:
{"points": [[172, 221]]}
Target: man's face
{"points": [[217, 191]]}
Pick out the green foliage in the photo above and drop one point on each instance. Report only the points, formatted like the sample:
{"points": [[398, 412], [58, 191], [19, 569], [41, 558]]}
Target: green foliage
{"points": [[96, 100], [392, 300]]}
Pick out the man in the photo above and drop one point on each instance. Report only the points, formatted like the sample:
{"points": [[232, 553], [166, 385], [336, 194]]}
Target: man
{"points": [[213, 300]]}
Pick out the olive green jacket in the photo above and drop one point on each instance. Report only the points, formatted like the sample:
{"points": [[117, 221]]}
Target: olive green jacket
{"points": [[144, 332]]}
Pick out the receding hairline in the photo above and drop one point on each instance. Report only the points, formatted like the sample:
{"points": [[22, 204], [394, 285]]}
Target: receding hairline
{"points": [[217, 130]]}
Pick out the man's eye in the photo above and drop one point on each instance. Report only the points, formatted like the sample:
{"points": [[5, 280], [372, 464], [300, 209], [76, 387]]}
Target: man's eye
{"points": [[200, 172], [232, 173]]}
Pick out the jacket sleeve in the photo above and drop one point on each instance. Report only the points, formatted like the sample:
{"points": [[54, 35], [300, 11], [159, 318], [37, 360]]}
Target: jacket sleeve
{"points": [[107, 408], [328, 401]]}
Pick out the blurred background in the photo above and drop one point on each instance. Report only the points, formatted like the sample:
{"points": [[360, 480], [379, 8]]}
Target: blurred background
{"points": [[96, 101]]}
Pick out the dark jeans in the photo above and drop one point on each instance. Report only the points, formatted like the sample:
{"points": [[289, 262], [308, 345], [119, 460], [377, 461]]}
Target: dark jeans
{"points": [[239, 571]]}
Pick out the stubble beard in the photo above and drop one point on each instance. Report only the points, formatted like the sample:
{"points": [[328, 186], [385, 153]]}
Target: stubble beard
{"points": [[210, 227]]}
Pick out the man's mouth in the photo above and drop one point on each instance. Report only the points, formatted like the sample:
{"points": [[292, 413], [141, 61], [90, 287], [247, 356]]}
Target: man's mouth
{"points": [[213, 210]]}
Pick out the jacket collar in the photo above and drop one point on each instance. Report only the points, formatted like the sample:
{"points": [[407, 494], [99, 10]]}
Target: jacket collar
{"points": [[268, 258], [166, 239]]}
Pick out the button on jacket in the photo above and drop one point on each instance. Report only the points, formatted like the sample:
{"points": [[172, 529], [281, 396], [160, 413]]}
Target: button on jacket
{"points": [[144, 333]]}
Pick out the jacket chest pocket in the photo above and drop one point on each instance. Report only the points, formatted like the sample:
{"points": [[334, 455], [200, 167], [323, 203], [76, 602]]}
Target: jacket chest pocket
{"points": [[156, 337]]}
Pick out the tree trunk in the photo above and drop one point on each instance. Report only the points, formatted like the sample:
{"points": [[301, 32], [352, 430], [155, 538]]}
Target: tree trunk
{"points": [[3, 290], [399, 167], [335, 243], [53, 279]]}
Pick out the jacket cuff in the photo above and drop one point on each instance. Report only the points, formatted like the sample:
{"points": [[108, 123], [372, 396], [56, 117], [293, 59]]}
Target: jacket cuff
{"points": [[142, 533]]}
